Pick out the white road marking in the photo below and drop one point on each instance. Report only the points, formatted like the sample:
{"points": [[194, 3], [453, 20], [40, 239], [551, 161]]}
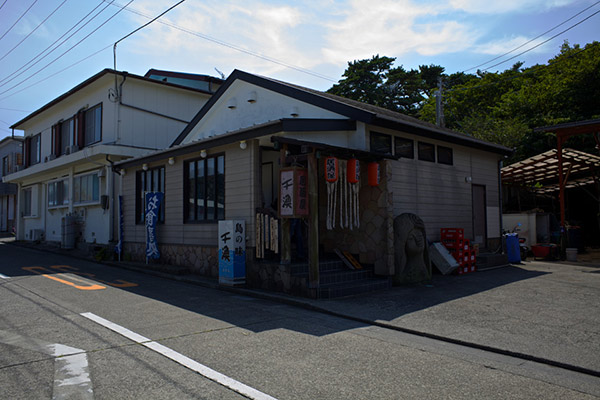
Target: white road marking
{"points": [[71, 372], [179, 358], [4, 276]]}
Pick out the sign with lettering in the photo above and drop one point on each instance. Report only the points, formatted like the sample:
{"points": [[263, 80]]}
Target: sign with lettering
{"points": [[232, 252], [293, 193], [153, 201]]}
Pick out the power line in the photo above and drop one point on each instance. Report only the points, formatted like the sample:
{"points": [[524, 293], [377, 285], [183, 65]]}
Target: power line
{"points": [[2, 5], [545, 41], [34, 29], [234, 47], [22, 15], [56, 73], [2, 81], [68, 50], [537, 37]]}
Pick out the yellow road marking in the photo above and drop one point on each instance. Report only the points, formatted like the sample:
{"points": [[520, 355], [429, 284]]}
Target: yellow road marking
{"points": [[35, 270]]}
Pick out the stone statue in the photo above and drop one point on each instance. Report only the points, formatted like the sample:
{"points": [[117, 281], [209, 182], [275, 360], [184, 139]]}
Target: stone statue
{"points": [[411, 251]]}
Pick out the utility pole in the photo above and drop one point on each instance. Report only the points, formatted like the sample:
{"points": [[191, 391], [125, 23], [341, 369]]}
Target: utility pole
{"points": [[439, 106]]}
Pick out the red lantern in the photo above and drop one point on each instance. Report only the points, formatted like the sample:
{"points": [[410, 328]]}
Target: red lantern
{"points": [[353, 170], [373, 171], [331, 169]]}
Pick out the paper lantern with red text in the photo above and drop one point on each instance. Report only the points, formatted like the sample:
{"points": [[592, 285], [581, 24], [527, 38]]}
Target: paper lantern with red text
{"points": [[353, 170], [331, 169], [373, 172]]}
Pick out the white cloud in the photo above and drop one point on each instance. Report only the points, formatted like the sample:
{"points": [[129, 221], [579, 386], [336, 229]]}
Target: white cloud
{"points": [[392, 28], [505, 6]]}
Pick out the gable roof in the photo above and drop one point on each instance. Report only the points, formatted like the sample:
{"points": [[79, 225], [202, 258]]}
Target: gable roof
{"points": [[352, 109], [93, 79]]}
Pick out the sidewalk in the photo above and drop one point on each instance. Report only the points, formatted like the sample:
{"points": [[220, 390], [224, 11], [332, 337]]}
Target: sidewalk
{"points": [[539, 310]]}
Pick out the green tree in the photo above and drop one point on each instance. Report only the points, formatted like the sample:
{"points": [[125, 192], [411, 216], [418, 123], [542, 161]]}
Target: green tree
{"points": [[375, 81]]}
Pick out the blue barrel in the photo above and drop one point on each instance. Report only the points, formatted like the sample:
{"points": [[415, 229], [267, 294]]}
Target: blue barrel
{"points": [[512, 248]]}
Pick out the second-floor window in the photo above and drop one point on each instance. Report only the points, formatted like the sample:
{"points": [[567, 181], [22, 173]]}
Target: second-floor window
{"points": [[33, 149], [5, 171], [93, 125]]}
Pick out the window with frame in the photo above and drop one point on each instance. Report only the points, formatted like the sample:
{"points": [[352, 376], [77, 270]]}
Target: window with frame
{"points": [[58, 193], [426, 152], [27, 201], [5, 165], [35, 148], [381, 143], [93, 125], [67, 129], [86, 189], [204, 198], [152, 180], [444, 155], [404, 148]]}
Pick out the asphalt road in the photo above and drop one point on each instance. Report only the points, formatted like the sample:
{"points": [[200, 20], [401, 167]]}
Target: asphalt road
{"points": [[76, 329]]}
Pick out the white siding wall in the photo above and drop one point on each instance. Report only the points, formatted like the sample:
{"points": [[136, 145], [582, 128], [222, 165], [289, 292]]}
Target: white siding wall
{"points": [[269, 106], [241, 167], [439, 194]]}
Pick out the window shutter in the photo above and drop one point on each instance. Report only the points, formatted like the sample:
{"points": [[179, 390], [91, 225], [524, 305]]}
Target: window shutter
{"points": [[80, 128], [57, 140], [27, 151]]}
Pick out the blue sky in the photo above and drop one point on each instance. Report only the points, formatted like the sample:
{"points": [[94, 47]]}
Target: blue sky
{"points": [[305, 42]]}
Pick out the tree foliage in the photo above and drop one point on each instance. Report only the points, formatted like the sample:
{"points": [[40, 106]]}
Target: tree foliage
{"points": [[375, 81], [500, 107]]}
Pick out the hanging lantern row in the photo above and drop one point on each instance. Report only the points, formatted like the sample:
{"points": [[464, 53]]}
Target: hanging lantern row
{"points": [[353, 171]]}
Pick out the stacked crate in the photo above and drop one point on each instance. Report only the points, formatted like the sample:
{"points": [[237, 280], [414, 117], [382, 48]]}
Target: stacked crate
{"points": [[460, 248]]}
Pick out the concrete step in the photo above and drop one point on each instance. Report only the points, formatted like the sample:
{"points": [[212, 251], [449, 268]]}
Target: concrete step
{"points": [[490, 260]]}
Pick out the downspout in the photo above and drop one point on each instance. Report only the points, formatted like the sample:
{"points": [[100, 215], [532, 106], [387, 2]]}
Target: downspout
{"points": [[500, 198], [111, 203]]}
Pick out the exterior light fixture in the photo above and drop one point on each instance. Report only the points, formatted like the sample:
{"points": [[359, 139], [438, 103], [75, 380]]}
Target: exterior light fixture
{"points": [[203, 153], [232, 103], [468, 179], [294, 112], [145, 167], [243, 145], [171, 160]]}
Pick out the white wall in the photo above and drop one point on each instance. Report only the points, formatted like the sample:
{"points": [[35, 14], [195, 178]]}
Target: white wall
{"points": [[269, 106]]}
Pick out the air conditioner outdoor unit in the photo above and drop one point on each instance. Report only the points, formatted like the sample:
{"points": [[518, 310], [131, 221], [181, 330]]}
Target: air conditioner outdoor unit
{"points": [[36, 234]]}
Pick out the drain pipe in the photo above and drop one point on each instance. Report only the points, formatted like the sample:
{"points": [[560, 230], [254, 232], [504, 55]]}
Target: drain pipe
{"points": [[111, 201], [500, 199]]}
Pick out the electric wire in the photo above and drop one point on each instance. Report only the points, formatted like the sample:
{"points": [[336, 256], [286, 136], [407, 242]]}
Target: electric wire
{"points": [[537, 37], [2, 5], [234, 47], [68, 50], [545, 41], [22, 15], [34, 29], [17, 71]]}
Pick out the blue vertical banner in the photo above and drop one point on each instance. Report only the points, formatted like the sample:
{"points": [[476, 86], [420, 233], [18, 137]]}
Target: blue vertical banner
{"points": [[232, 252], [119, 247], [153, 202]]}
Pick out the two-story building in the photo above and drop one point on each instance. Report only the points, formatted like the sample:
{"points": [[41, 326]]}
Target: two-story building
{"points": [[66, 185], [11, 149]]}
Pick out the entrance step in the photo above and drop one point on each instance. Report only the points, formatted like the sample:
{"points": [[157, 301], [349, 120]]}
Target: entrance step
{"points": [[491, 260], [336, 280]]}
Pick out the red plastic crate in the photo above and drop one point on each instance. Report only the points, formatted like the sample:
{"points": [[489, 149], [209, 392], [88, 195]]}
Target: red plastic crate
{"points": [[466, 269], [454, 243], [452, 233], [467, 244]]}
